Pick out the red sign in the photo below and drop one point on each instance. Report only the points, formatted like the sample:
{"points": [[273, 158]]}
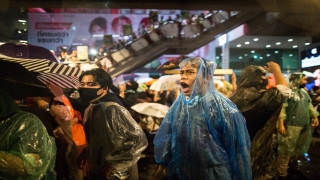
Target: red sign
{"points": [[53, 25]]}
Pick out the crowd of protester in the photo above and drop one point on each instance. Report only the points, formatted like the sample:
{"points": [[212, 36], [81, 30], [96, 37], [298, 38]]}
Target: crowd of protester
{"points": [[210, 131]]}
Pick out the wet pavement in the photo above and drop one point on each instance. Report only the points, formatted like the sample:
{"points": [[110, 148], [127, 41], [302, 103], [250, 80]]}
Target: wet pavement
{"points": [[309, 167], [312, 168]]}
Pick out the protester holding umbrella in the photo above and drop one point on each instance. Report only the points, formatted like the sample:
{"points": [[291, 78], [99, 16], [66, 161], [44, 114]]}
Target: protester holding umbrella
{"points": [[30, 80], [203, 136]]}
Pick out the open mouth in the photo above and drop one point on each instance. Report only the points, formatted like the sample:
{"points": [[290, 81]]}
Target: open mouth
{"points": [[185, 87]]}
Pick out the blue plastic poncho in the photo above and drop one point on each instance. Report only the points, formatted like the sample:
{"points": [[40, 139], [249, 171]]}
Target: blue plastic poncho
{"points": [[204, 137]]}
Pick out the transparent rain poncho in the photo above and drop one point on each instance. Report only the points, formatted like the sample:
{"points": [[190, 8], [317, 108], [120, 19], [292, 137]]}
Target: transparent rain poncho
{"points": [[261, 108], [256, 103], [204, 137], [113, 138], [27, 152], [296, 111]]}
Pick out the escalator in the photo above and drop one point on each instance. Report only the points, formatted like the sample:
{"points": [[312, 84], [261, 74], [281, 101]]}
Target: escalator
{"points": [[147, 48]]}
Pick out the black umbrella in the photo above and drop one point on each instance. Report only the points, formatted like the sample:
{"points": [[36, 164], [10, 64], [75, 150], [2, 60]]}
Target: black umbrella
{"points": [[27, 77], [172, 64], [19, 82], [27, 51]]}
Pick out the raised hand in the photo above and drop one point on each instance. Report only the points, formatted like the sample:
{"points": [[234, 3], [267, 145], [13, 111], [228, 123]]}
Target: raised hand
{"points": [[272, 67]]}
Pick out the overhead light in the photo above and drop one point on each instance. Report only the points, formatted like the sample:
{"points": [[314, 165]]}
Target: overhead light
{"points": [[93, 52], [278, 43], [247, 42], [276, 52], [240, 57], [221, 54], [252, 51], [268, 55], [222, 40], [245, 54], [261, 57], [217, 57], [290, 55], [255, 39], [23, 21], [19, 32], [289, 40], [97, 35], [307, 43], [314, 51], [255, 56], [294, 46], [268, 46], [239, 45]]}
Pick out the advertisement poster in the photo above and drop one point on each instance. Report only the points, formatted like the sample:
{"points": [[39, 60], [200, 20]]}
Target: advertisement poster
{"points": [[69, 30], [153, 17], [310, 63], [108, 41], [53, 30], [82, 52], [127, 29]]}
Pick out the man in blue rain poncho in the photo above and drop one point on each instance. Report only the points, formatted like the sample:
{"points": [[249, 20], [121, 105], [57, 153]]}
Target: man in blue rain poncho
{"points": [[204, 135], [294, 126], [26, 150]]}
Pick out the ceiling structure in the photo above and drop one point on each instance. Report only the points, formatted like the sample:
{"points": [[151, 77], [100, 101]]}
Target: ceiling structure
{"points": [[285, 17], [287, 6], [303, 15], [272, 42]]}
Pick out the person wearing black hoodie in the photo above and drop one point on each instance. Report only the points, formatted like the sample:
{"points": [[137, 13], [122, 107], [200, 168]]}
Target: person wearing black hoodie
{"points": [[129, 92], [114, 139]]}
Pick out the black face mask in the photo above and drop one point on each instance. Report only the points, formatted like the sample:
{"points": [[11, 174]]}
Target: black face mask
{"points": [[88, 94], [302, 85], [129, 87], [264, 82]]}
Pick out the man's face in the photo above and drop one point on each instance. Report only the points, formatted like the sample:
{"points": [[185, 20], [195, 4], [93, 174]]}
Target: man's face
{"points": [[88, 81], [188, 77], [303, 80]]}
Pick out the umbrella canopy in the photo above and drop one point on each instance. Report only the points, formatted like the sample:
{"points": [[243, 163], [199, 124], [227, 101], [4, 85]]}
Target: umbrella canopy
{"points": [[29, 76], [166, 82], [27, 51], [144, 80], [149, 83], [124, 78], [19, 82], [172, 64], [151, 109]]}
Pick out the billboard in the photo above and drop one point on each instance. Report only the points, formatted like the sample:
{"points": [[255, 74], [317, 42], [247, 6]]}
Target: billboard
{"points": [[53, 30], [310, 63], [69, 30]]}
